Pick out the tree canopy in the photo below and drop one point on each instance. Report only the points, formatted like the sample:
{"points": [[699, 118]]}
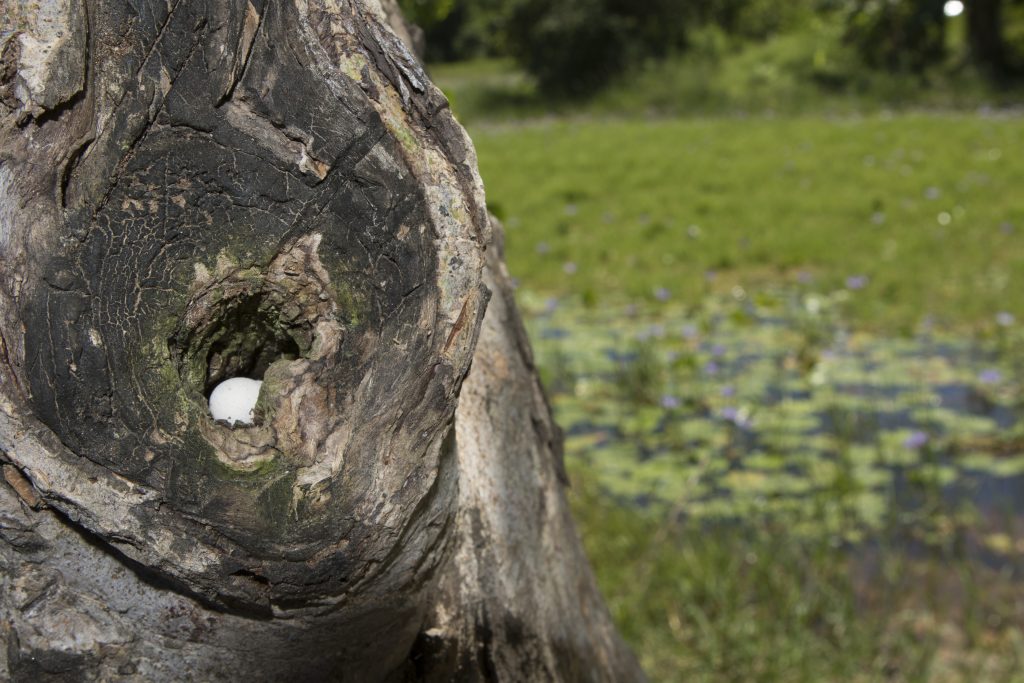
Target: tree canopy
{"points": [[574, 47]]}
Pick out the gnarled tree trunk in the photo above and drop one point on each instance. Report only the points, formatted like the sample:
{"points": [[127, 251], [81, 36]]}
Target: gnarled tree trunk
{"points": [[192, 191]]}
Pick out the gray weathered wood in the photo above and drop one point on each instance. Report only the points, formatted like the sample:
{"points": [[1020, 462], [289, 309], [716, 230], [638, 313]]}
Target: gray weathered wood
{"points": [[191, 191]]}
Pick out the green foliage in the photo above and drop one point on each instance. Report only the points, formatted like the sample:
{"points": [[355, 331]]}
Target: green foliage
{"points": [[473, 28], [578, 47], [628, 31], [574, 47], [639, 375], [758, 19], [810, 71], [903, 35], [426, 13]]}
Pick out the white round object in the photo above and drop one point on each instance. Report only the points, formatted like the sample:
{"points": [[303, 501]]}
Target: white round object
{"points": [[233, 400], [953, 8]]}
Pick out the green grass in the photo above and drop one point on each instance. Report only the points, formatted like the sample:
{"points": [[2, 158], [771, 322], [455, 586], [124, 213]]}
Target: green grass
{"points": [[926, 205], [748, 603]]}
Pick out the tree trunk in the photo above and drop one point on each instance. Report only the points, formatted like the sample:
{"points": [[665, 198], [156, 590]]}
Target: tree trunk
{"points": [[985, 36], [193, 191]]}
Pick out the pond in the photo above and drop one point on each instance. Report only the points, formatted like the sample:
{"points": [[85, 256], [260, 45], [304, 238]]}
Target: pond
{"points": [[771, 405]]}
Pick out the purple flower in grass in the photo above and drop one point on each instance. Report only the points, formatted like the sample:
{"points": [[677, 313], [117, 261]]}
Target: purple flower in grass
{"points": [[855, 282], [711, 368], [669, 402], [1005, 319]]}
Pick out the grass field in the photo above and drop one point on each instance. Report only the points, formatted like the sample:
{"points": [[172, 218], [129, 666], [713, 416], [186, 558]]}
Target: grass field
{"points": [[927, 206], [787, 351]]}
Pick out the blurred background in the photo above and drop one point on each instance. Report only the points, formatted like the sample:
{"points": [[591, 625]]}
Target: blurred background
{"points": [[771, 256]]}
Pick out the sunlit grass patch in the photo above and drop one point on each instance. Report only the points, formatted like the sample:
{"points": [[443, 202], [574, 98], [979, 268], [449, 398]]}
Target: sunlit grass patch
{"points": [[918, 218]]}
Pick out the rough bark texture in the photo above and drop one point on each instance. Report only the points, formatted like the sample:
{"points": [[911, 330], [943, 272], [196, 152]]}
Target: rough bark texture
{"points": [[518, 602], [191, 191]]}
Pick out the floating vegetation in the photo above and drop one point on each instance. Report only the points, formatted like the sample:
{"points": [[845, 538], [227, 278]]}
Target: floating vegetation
{"points": [[772, 404]]}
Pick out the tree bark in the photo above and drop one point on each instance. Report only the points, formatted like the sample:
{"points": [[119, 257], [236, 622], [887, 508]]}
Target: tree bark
{"points": [[193, 191], [985, 36]]}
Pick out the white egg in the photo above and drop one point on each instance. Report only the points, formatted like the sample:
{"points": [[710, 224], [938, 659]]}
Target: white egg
{"points": [[233, 400]]}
